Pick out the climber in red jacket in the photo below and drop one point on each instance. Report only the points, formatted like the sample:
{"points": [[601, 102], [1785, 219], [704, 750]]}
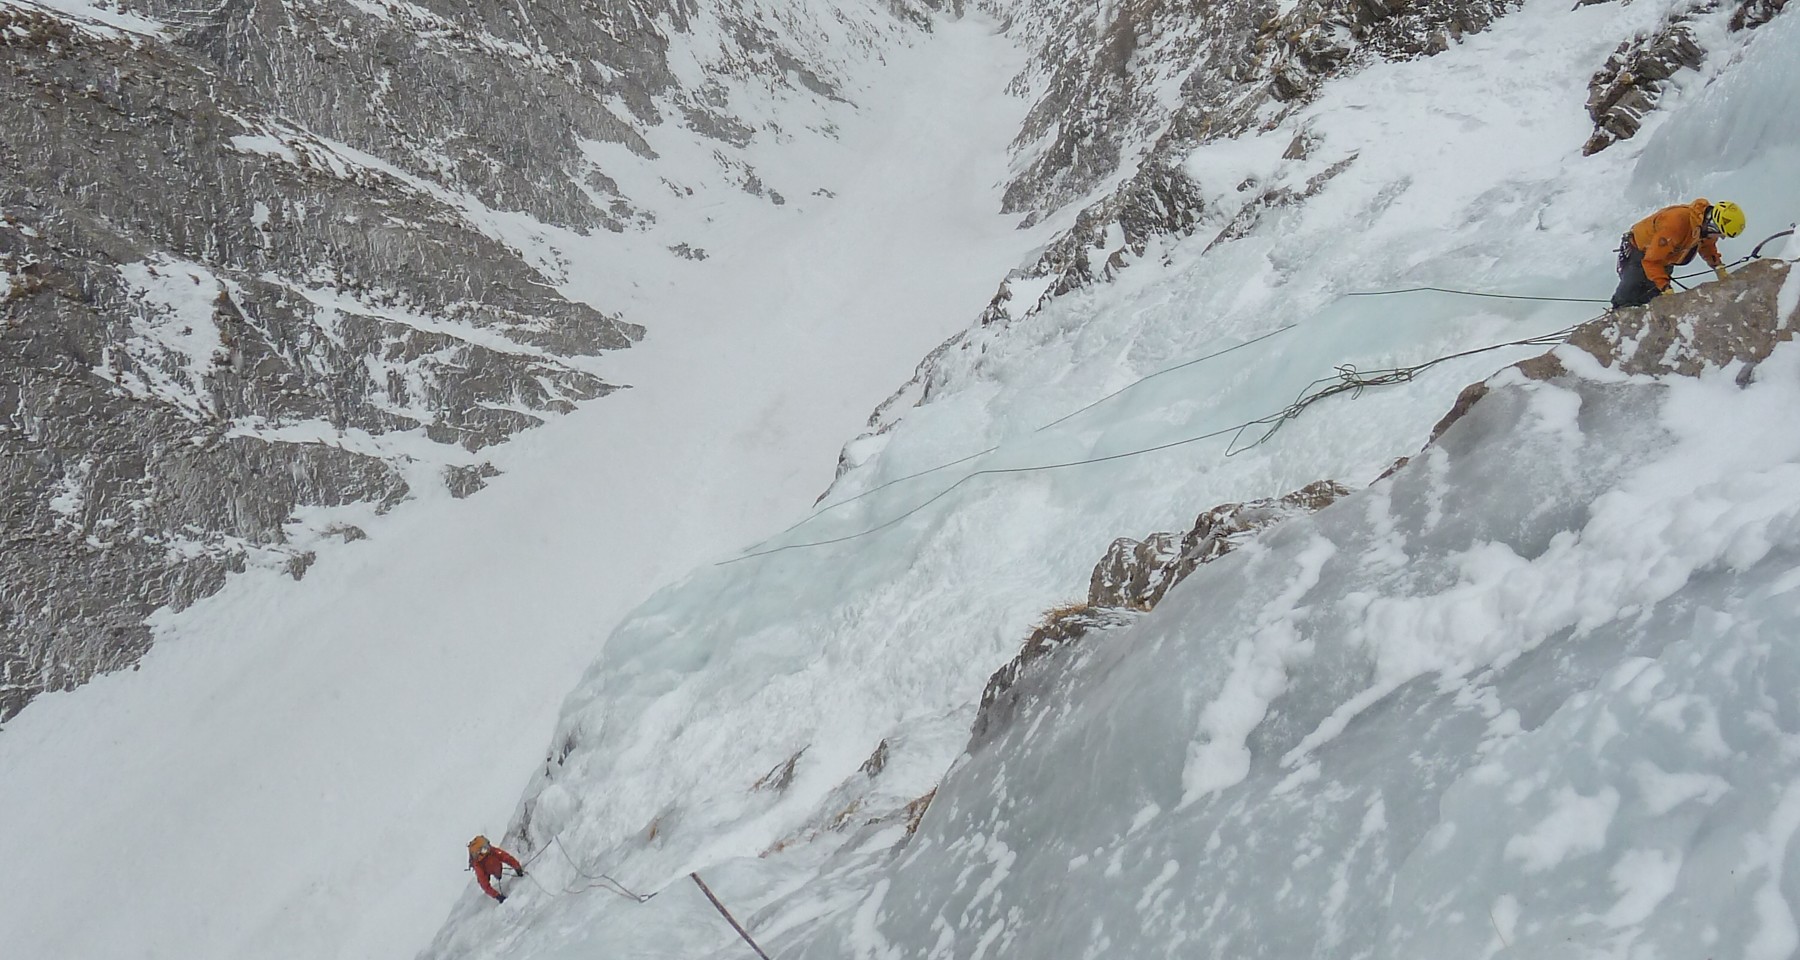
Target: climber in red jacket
{"points": [[488, 861]]}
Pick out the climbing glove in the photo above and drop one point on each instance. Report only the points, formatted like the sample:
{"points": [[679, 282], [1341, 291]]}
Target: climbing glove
{"points": [[1721, 272], [499, 898]]}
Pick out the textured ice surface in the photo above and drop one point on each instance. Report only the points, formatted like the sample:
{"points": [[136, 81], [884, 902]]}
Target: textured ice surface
{"points": [[1383, 731], [1570, 705]]}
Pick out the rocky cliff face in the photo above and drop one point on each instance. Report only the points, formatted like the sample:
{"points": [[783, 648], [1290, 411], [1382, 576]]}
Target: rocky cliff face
{"points": [[270, 266]]}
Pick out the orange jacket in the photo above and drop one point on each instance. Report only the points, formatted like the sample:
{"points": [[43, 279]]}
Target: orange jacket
{"points": [[488, 867], [1669, 237]]}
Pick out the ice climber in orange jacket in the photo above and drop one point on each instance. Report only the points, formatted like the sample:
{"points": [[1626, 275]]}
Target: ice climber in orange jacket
{"points": [[1669, 238], [488, 862]]}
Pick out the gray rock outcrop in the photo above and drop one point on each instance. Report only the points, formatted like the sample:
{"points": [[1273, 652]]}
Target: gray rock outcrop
{"points": [[1628, 86], [1669, 337]]}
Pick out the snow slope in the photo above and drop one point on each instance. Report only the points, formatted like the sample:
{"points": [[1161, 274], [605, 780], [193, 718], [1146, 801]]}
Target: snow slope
{"points": [[294, 768], [1463, 169]]}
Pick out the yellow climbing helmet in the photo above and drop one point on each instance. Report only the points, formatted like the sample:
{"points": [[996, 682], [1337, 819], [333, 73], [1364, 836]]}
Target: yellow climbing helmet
{"points": [[477, 847], [1727, 218]]}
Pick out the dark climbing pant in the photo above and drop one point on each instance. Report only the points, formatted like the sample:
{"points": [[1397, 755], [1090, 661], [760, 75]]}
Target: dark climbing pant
{"points": [[1635, 288]]}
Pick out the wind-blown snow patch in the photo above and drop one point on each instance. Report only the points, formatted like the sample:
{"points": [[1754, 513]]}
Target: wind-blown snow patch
{"points": [[1220, 758], [175, 334], [1575, 825]]}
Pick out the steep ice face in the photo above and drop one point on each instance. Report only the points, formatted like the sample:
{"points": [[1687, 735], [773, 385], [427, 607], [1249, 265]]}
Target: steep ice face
{"points": [[1529, 694], [1736, 129]]}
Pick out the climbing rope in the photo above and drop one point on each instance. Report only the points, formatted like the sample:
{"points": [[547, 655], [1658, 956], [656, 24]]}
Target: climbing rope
{"points": [[1130, 386], [1756, 252], [1350, 380], [601, 881], [1060, 420], [1142, 380], [1347, 379], [595, 881], [1473, 293], [607, 883]]}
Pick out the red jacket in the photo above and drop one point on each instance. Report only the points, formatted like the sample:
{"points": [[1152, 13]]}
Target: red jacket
{"points": [[1670, 236], [488, 867]]}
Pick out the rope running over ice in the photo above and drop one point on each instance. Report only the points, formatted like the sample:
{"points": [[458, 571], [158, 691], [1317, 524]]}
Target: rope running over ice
{"points": [[1347, 380], [1080, 410], [611, 885], [1473, 293], [1062, 419], [600, 881]]}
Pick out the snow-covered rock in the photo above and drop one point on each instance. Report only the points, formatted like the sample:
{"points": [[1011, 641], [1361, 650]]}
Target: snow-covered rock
{"points": [[1135, 574], [283, 263]]}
